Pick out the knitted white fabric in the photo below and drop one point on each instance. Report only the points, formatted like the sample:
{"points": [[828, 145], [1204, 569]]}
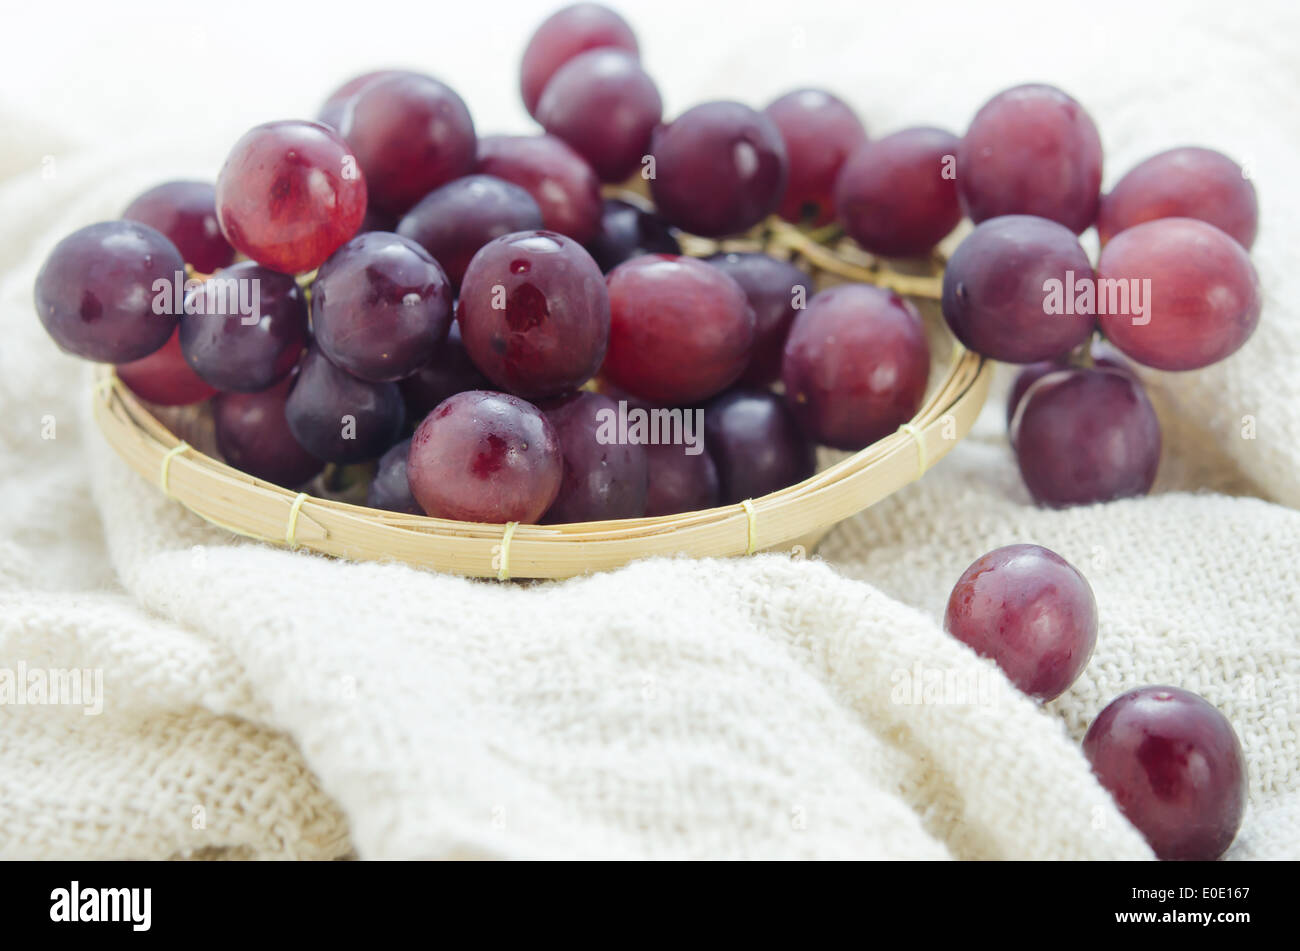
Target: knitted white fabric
{"points": [[262, 703]]}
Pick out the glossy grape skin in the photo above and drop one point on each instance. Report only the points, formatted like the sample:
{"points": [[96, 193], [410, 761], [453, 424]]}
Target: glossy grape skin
{"points": [[230, 354], [485, 457], [253, 436], [454, 221], [1175, 768], [1204, 293], [164, 378], [290, 194], [896, 196], [1187, 182], [627, 231], [820, 132], [333, 109], [680, 330], [1085, 436], [323, 395], [410, 134], [564, 186], [601, 480], [186, 212], [1031, 150], [993, 290], [1103, 355], [564, 35], [604, 105], [856, 365], [720, 168], [390, 490], [380, 306], [451, 371], [773, 289], [756, 444], [678, 482], [1029, 610]]}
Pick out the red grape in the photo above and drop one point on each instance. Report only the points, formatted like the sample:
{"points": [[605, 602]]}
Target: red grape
{"points": [[897, 196], [1102, 354], [1084, 436], [628, 231], [1029, 610], [994, 290], [1200, 293], [564, 186], [562, 36], [679, 482], [485, 457], [1175, 768], [391, 490], [820, 132], [776, 290], [534, 313], [719, 168], [451, 371], [602, 479], [380, 306], [164, 377], [332, 110], [253, 436], [756, 444], [339, 418], [856, 365], [680, 330], [95, 293], [186, 212], [1188, 182], [290, 194], [605, 106], [1031, 150]]}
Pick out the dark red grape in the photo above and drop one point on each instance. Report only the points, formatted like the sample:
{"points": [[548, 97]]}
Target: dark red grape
{"points": [[856, 365], [332, 110], [410, 134], [290, 194], [390, 490], [534, 313], [680, 330], [820, 132], [1175, 768], [339, 418], [606, 106], [253, 436], [603, 479], [1199, 292], [95, 293], [719, 168], [1084, 436], [164, 377], [454, 221], [776, 290], [678, 481], [186, 212], [1102, 354], [1188, 182], [995, 295], [562, 36], [380, 306], [451, 371], [897, 196], [1031, 150], [627, 231], [564, 186], [1029, 610], [485, 457], [756, 444], [244, 328]]}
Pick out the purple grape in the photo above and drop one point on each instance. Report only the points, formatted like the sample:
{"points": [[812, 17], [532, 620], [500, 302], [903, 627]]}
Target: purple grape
{"points": [[186, 212], [820, 132], [390, 490], [720, 168], [380, 306], [164, 377], [603, 479], [95, 293], [454, 221], [1175, 768], [339, 418], [679, 482], [451, 371], [994, 290], [756, 444], [776, 290], [1102, 353], [1085, 436], [564, 186], [627, 231], [332, 110], [485, 457], [564, 35], [254, 437], [1029, 610]]}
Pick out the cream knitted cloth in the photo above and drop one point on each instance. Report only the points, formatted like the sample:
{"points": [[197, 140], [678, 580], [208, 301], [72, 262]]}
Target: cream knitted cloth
{"points": [[260, 703]]}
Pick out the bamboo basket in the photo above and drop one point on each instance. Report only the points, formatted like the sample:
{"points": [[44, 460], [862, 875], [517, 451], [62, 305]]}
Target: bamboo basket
{"points": [[794, 519]]}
